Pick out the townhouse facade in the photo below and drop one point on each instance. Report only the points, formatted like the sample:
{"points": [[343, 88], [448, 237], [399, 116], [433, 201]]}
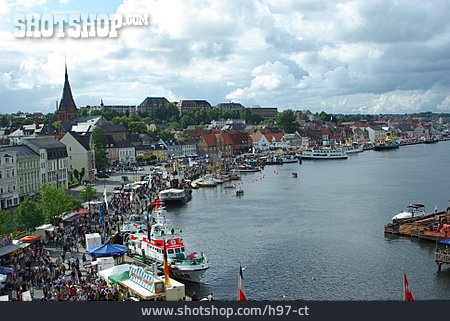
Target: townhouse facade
{"points": [[53, 159], [81, 153]]}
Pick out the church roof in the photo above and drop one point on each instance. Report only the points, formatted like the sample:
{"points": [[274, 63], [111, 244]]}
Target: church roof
{"points": [[67, 103]]}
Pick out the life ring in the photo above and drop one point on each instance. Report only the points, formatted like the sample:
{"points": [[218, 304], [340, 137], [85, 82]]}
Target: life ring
{"points": [[173, 242]]}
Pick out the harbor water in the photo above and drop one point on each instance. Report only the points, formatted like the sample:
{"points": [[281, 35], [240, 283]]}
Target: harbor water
{"points": [[320, 236]]}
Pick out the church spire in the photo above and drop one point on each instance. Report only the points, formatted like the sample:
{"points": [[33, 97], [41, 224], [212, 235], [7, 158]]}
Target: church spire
{"points": [[67, 103]]}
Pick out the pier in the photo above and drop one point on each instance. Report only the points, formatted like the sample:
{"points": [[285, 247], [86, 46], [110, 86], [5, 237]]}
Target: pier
{"points": [[431, 227]]}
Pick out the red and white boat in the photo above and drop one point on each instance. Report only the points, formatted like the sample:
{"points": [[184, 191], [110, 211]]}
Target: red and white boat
{"points": [[183, 266]]}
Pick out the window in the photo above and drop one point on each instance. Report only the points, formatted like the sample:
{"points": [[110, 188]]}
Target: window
{"points": [[170, 251], [177, 250]]}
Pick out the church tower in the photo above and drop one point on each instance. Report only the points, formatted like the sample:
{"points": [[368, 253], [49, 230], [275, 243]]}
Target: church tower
{"points": [[67, 109]]}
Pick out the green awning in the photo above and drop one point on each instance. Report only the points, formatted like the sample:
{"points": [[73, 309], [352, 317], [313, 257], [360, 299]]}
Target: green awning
{"points": [[119, 277]]}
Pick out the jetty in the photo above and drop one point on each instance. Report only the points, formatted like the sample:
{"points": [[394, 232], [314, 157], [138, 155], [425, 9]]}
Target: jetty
{"points": [[433, 227]]}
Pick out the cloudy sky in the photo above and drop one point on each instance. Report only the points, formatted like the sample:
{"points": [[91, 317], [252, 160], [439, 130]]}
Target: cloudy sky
{"points": [[371, 56]]}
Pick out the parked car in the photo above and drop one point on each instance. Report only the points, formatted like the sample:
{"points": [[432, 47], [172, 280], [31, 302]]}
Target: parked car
{"points": [[102, 175]]}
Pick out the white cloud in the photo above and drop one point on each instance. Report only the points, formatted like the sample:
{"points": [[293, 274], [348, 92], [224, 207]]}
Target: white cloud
{"points": [[344, 56]]}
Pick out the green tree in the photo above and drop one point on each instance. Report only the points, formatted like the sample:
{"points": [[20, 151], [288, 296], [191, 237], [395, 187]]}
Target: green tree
{"points": [[6, 223], [287, 121], [53, 202], [99, 139], [76, 174], [137, 127], [28, 215], [82, 173], [88, 193]]}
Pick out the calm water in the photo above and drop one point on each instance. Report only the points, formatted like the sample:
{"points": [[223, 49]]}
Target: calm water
{"points": [[321, 236]]}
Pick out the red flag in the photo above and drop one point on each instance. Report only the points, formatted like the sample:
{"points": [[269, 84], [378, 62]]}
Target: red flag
{"points": [[408, 296], [241, 294]]}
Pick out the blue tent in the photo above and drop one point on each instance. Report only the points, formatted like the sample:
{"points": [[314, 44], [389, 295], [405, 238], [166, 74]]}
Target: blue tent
{"points": [[107, 250], [446, 242]]}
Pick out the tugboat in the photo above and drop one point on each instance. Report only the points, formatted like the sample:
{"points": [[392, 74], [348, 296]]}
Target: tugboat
{"points": [[388, 144], [150, 248]]}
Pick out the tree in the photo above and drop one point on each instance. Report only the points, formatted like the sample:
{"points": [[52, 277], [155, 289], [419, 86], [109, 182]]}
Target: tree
{"points": [[88, 193], [82, 173], [6, 223], [137, 127], [53, 202], [28, 215], [101, 160], [287, 121], [76, 174]]}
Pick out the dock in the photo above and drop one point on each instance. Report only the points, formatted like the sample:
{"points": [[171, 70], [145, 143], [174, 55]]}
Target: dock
{"points": [[433, 227]]}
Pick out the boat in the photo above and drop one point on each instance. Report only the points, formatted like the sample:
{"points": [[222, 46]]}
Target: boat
{"points": [[234, 177], [324, 154], [413, 211], [385, 146], [289, 159], [294, 175], [431, 141], [174, 195], [206, 182], [353, 149], [274, 160], [248, 169], [229, 186], [150, 249], [239, 192]]}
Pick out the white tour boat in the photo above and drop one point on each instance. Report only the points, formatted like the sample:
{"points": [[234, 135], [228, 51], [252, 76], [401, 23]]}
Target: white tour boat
{"points": [[173, 195], [324, 154]]}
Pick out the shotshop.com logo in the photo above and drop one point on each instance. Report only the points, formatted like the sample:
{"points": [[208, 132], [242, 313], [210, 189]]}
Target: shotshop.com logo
{"points": [[74, 25]]}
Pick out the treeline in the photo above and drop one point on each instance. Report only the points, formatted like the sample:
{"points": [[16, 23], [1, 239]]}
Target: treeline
{"points": [[51, 203]]}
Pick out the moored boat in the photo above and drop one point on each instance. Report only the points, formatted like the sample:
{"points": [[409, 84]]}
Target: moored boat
{"points": [[150, 248], [324, 154], [413, 211], [175, 195]]}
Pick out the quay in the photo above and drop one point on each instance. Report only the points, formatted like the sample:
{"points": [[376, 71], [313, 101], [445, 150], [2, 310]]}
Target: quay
{"points": [[433, 227]]}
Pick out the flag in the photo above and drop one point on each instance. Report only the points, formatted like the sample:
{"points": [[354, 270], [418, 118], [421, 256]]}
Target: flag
{"points": [[101, 218], [149, 227], [408, 296], [241, 296], [105, 196], [166, 267]]}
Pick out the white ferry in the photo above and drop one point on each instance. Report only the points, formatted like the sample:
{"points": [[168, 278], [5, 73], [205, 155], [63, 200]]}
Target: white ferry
{"points": [[324, 154], [183, 266], [173, 195]]}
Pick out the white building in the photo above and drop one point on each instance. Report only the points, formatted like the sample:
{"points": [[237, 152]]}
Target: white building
{"points": [[188, 148], [9, 190], [81, 153], [376, 134], [54, 160], [260, 142]]}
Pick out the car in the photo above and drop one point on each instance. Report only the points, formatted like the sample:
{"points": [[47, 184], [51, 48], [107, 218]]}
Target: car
{"points": [[102, 175], [140, 169], [117, 188]]}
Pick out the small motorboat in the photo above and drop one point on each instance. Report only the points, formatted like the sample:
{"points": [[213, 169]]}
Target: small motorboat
{"points": [[240, 192], [413, 210], [229, 186], [294, 175]]}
